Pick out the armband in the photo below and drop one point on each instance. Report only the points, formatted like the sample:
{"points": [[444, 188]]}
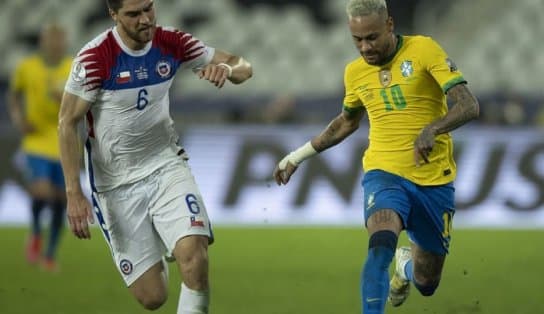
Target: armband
{"points": [[299, 155]]}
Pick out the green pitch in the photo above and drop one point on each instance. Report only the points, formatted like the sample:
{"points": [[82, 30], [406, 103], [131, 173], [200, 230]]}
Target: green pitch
{"points": [[282, 271]]}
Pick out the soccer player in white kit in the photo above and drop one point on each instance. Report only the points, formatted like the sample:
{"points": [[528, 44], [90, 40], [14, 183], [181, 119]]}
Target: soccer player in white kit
{"points": [[143, 193]]}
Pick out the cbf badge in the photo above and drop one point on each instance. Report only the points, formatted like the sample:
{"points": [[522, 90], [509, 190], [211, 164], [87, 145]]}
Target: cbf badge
{"points": [[406, 68], [385, 77]]}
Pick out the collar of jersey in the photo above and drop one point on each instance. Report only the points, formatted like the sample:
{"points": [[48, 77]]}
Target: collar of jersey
{"points": [[392, 56], [127, 50]]}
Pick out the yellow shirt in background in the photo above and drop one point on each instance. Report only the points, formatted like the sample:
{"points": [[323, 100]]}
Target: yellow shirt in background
{"points": [[40, 84], [401, 97]]}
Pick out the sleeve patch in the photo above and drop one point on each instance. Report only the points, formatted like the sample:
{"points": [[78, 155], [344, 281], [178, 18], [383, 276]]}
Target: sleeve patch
{"points": [[79, 73]]}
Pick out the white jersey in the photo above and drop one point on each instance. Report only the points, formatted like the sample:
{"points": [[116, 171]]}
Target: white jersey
{"points": [[130, 131]]}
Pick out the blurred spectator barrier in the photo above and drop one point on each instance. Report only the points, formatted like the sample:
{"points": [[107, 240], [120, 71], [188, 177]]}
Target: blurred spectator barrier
{"points": [[500, 179]]}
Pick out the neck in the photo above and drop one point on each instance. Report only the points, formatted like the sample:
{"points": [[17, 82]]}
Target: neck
{"points": [[393, 45], [51, 59], [128, 41]]}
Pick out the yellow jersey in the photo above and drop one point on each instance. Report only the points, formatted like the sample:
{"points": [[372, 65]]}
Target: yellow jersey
{"points": [[401, 97], [40, 85]]}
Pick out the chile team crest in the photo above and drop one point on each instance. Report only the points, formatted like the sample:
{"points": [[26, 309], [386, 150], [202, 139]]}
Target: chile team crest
{"points": [[164, 68]]}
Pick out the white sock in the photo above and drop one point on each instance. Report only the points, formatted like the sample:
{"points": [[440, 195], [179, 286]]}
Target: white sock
{"points": [[192, 301], [165, 271]]}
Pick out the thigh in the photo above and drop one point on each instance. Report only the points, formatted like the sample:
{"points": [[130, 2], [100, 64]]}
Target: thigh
{"points": [[128, 229], [430, 223], [178, 209], [37, 173], [386, 203], [56, 175]]}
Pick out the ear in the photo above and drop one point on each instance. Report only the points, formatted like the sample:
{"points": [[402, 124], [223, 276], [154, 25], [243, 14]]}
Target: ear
{"points": [[390, 24], [113, 15]]}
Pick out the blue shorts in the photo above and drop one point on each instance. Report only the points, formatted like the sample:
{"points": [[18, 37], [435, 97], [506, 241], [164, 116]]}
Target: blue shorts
{"points": [[40, 168], [426, 211]]}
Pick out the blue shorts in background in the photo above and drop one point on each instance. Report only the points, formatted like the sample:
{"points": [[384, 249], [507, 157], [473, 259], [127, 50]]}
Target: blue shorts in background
{"points": [[426, 211], [38, 168]]}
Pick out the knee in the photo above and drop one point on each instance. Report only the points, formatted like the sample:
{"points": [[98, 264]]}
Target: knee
{"points": [[427, 286], [152, 301], [195, 259]]}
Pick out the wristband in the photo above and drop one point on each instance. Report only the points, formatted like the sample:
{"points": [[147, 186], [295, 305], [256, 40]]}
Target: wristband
{"points": [[299, 155], [228, 67]]}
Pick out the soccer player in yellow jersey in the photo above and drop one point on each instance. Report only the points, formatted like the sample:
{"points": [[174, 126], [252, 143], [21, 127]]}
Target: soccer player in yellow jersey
{"points": [[34, 101], [402, 83]]}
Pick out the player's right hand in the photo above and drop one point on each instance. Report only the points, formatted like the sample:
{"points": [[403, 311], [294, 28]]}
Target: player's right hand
{"points": [[284, 170], [25, 127], [80, 214]]}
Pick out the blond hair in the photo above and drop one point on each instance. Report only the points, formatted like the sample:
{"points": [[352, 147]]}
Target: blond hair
{"points": [[366, 7]]}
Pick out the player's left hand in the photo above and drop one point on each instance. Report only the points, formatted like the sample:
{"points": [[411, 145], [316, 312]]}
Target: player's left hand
{"points": [[423, 146], [216, 74]]}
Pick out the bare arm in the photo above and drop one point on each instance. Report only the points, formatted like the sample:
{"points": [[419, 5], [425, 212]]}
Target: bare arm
{"points": [[72, 111], [465, 108], [338, 129], [241, 69], [225, 66], [16, 112]]}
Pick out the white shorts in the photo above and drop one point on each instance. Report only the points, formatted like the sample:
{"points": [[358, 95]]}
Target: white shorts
{"points": [[143, 221]]}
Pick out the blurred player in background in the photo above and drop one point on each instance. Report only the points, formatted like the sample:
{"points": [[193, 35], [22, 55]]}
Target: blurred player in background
{"points": [[144, 195], [401, 82], [34, 100]]}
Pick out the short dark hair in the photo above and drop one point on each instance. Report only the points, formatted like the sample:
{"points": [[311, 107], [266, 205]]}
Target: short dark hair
{"points": [[115, 5]]}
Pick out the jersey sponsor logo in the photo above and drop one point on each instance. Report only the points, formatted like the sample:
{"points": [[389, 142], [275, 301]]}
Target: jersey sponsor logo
{"points": [[406, 68], [141, 73], [123, 77], [385, 77], [126, 266], [78, 72], [451, 65], [164, 68]]}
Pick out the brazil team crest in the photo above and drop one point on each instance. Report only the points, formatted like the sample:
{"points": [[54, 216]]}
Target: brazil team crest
{"points": [[385, 77], [406, 68]]}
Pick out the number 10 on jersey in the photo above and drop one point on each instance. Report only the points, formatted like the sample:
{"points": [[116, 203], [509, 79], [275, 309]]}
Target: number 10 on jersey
{"points": [[395, 93]]}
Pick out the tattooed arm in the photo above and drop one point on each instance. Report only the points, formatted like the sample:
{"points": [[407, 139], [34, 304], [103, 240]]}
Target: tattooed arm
{"points": [[465, 109], [338, 129]]}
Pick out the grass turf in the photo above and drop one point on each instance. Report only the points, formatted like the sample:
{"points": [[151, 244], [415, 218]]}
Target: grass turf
{"points": [[282, 271]]}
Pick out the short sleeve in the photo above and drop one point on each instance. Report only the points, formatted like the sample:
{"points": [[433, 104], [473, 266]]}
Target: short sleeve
{"points": [[86, 75], [197, 55], [440, 66], [351, 100], [190, 51]]}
